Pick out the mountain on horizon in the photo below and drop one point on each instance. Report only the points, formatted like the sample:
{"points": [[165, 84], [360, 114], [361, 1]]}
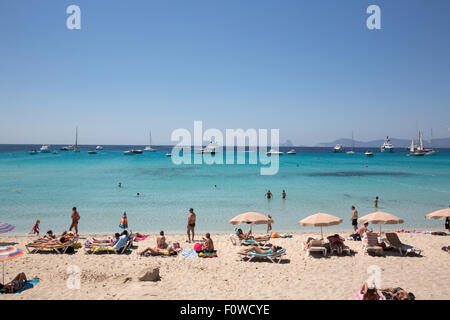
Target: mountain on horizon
{"points": [[397, 143]]}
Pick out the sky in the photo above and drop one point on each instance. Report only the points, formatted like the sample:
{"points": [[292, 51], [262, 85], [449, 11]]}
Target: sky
{"points": [[309, 68]]}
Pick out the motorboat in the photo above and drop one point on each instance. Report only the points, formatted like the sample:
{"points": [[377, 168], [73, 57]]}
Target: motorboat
{"points": [[92, 152], [99, 148], [33, 152], [292, 151], [168, 154], [387, 146], [129, 153], [339, 148], [274, 152], [45, 149], [369, 153]]}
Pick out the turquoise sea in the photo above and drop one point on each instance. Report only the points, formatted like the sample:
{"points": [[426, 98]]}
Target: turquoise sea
{"points": [[46, 186]]}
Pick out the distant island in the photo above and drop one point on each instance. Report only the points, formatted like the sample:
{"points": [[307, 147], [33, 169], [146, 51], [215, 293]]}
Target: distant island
{"points": [[398, 143]]}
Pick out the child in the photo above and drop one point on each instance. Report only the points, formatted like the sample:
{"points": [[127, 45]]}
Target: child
{"points": [[36, 227]]}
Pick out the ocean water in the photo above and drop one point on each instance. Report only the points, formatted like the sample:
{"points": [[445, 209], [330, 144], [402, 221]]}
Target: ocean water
{"points": [[47, 186]]}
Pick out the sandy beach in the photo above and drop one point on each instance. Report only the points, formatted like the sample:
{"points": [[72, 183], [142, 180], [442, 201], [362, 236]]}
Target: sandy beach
{"points": [[112, 276]]}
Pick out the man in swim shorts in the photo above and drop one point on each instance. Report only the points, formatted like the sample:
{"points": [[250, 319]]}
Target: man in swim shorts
{"points": [[191, 224]]}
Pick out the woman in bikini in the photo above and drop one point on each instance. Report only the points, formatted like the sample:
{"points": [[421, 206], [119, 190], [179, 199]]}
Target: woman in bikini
{"points": [[257, 249]]}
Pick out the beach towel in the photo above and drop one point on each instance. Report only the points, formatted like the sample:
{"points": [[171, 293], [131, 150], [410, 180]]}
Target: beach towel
{"points": [[27, 285], [189, 253], [140, 239], [360, 295], [212, 254]]}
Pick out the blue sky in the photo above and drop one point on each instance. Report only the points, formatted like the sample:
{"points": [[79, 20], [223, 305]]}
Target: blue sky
{"points": [[310, 68]]}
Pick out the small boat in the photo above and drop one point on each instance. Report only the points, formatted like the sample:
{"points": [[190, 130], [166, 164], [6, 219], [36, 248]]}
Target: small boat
{"points": [[369, 153], [33, 152], [292, 151], [149, 147], [129, 153], [98, 148], [55, 152], [211, 148], [339, 148], [168, 154], [274, 152], [353, 146], [66, 148], [75, 148], [136, 151], [92, 152], [387, 146], [45, 149]]}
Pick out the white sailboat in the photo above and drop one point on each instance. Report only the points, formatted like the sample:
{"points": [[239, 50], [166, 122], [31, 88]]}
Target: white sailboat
{"points": [[353, 146], [75, 148], [149, 147]]}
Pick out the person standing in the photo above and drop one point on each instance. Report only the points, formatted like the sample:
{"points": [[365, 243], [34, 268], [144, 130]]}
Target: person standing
{"points": [[269, 223], [375, 202], [191, 224], [75, 218], [354, 218], [269, 194], [283, 194]]}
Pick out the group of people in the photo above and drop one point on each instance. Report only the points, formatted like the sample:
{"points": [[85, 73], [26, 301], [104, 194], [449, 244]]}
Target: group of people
{"points": [[269, 194]]}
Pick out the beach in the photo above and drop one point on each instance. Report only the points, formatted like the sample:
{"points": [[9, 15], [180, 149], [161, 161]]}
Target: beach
{"points": [[297, 276]]}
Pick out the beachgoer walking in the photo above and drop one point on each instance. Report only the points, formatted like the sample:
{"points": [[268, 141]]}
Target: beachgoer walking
{"points": [[354, 218], [269, 223], [191, 224], [375, 202], [75, 218], [35, 229]]}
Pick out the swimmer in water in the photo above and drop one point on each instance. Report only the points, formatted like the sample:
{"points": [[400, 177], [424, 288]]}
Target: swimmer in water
{"points": [[375, 202], [138, 194], [119, 184], [269, 194], [283, 194]]}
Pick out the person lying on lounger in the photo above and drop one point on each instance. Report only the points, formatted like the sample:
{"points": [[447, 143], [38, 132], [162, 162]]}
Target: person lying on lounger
{"points": [[15, 285], [108, 242], [257, 249], [159, 252], [388, 293], [336, 241], [308, 241], [248, 236]]}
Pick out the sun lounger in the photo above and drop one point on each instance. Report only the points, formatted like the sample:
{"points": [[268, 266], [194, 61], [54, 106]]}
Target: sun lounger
{"points": [[315, 246], [109, 249], [269, 256], [52, 245], [370, 243], [344, 248], [404, 249]]}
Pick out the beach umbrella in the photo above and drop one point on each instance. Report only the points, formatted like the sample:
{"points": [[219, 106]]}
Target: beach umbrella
{"points": [[380, 218], [320, 220], [6, 227], [439, 215], [124, 222], [251, 218], [8, 253]]}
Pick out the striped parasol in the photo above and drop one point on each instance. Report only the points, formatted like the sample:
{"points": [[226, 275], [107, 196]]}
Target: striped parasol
{"points": [[8, 253], [6, 227]]}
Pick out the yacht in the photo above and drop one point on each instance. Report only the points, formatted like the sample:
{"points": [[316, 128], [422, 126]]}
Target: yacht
{"points": [[98, 148], [419, 150], [211, 148], [292, 151], [387, 146], [274, 152], [129, 153], [45, 149], [149, 147], [368, 153], [338, 148], [136, 151]]}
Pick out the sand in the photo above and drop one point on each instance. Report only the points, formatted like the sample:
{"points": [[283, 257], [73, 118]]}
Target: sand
{"points": [[112, 276]]}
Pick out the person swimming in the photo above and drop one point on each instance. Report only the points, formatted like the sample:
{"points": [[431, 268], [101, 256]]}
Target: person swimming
{"points": [[268, 194]]}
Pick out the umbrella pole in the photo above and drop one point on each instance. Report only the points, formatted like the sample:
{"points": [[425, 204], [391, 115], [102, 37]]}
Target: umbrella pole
{"points": [[321, 233], [3, 272]]}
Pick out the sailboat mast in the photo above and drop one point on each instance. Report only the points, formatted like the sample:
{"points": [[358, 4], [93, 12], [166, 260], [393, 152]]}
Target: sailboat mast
{"points": [[76, 137], [150, 139]]}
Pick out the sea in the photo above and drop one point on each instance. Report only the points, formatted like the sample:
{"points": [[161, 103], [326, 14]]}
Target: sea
{"points": [[47, 186]]}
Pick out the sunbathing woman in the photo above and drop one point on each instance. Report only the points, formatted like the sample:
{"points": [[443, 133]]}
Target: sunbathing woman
{"points": [[257, 249], [15, 285], [159, 252], [111, 241], [248, 236], [369, 293]]}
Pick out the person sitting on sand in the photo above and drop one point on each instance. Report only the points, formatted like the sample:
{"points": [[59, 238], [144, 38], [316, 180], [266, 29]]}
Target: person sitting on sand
{"points": [[259, 250], [161, 241], [15, 285], [208, 245], [369, 293]]}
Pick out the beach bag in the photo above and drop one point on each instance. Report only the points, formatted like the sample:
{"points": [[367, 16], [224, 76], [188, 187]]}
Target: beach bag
{"points": [[198, 247]]}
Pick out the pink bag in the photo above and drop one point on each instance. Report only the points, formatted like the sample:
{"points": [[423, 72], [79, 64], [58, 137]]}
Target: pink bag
{"points": [[198, 247]]}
